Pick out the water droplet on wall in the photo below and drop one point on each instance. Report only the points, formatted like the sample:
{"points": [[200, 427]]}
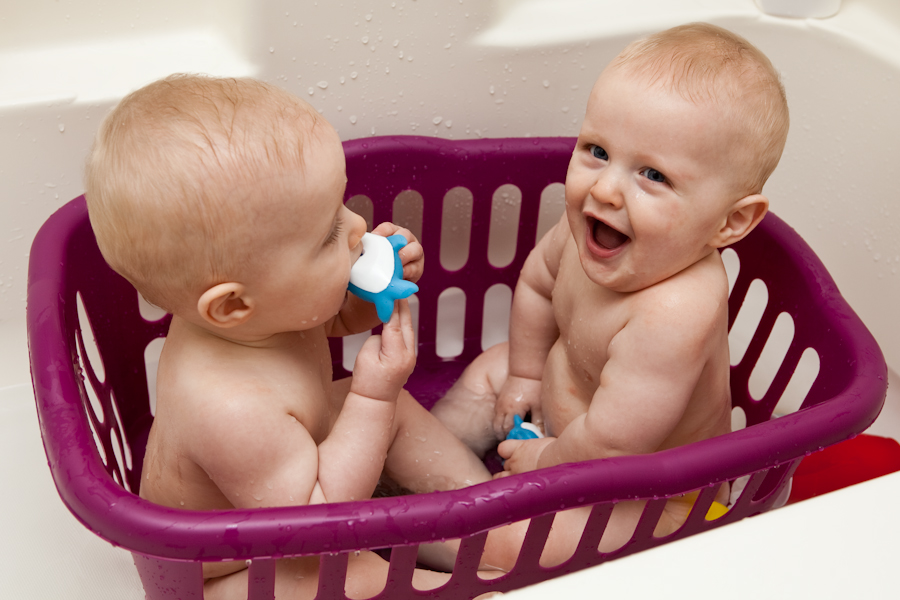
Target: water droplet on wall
{"points": [[353, 119], [322, 84]]}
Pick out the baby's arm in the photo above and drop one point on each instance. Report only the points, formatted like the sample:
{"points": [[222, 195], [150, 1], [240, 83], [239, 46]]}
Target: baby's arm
{"points": [[532, 331], [645, 387], [352, 457], [358, 315]]}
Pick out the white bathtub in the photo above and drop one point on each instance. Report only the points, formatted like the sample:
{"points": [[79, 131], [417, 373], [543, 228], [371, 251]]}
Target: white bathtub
{"points": [[457, 68]]}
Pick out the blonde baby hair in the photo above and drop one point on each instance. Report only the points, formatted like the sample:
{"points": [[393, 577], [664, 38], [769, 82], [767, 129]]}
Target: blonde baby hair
{"points": [[164, 166], [706, 63]]}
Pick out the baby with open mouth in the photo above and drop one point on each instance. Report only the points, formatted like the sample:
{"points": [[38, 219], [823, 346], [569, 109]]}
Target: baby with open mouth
{"points": [[619, 326], [605, 237]]}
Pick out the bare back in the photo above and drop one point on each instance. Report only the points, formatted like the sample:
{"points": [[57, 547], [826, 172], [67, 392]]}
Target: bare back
{"points": [[208, 387]]}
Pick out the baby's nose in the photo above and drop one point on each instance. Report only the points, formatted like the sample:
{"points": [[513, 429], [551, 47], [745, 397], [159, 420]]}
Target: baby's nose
{"points": [[607, 189], [357, 227]]}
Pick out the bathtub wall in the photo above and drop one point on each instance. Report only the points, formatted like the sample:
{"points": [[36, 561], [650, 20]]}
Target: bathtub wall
{"points": [[458, 69]]}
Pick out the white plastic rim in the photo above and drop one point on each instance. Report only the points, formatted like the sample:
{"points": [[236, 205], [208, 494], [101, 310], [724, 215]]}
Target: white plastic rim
{"points": [[804, 9]]}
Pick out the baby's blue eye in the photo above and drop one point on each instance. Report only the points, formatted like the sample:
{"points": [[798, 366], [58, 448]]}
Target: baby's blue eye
{"points": [[654, 175], [598, 152]]}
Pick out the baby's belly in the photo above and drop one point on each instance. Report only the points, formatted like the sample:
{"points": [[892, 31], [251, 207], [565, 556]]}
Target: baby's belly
{"points": [[563, 397]]}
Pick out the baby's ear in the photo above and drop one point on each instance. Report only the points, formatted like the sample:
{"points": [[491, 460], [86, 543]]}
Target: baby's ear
{"points": [[743, 216], [225, 305]]}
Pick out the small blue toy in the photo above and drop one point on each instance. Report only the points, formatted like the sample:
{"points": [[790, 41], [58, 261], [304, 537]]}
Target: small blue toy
{"points": [[523, 431], [377, 276]]}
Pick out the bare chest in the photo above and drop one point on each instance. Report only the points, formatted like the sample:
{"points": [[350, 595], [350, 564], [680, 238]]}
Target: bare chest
{"points": [[589, 317]]}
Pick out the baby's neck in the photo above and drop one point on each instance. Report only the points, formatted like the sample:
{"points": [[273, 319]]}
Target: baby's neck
{"points": [[234, 335]]}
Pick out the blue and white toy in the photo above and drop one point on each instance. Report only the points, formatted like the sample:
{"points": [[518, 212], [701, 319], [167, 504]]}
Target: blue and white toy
{"points": [[377, 276], [523, 431]]}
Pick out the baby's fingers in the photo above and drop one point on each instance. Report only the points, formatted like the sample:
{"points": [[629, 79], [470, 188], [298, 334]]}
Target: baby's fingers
{"points": [[399, 330], [503, 423], [406, 324], [398, 352], [388, 229], [537, 417], [507, 448], [412, 255]]}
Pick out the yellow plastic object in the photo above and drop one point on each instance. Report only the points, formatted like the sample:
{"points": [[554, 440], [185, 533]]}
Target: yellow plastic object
{"points": [[715, 511]]}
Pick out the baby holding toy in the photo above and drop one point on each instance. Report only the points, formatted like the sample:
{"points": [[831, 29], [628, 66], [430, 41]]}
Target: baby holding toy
{"points": [[221, 201], [618, 332]]}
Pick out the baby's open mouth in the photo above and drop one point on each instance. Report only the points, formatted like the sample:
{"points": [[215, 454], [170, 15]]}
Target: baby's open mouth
{"points": [[607, 237]]}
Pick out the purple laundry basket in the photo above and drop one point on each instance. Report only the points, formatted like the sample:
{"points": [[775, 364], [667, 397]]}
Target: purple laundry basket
{"points": [[75, 407]]}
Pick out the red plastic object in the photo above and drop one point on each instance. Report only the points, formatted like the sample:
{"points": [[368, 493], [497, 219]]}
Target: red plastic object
{"points": [[169, 544], [856, 460]]}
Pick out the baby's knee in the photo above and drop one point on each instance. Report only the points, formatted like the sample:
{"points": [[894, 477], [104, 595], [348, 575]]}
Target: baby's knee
{"points": [[495, 365], [486, 374]]}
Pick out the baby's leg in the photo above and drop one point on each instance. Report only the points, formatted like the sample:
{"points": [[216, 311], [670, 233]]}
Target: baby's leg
{"points": [[467, 409], [298, 579], [425, 456]]}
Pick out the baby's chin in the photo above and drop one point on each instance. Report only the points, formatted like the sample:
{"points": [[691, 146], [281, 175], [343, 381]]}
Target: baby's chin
{"points": [[620, 278]]}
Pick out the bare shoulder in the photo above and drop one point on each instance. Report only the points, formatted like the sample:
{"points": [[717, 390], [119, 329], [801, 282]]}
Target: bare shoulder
{"points": [[542, 266], [691, 303], [213, 400]]}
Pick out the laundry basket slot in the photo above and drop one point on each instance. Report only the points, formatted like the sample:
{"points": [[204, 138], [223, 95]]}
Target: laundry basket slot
{"points": [[94, 403]]}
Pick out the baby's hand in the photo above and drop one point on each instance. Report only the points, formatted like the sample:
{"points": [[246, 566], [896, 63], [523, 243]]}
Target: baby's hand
{"points": [[412, 255], [385, 361], [521, 456], [518, 396]]}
